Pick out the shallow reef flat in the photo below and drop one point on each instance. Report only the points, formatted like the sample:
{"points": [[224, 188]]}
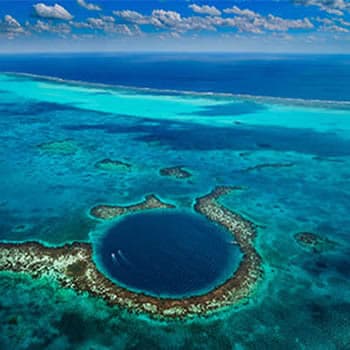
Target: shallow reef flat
{"points": [[314, 242], [268, 165], [107, 212], [65, 147], [112, 165], [176, 172], [72, 265]]}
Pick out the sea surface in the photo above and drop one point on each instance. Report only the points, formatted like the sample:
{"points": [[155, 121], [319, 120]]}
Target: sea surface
{"points": [[279, 126], [324, 77]]}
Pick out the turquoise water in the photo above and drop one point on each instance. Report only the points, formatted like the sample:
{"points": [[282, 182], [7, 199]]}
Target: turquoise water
{"points": [[47, 191]]}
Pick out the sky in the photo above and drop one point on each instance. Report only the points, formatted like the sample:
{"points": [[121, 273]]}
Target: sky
{"points": [[300, 26]]}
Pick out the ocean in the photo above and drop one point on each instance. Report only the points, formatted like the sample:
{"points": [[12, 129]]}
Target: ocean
{"points": [[324, 77], [79, 131]]}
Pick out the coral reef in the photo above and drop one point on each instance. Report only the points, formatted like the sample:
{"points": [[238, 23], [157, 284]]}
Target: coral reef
{"points": [[269, 165], [72, 265], [107, 212], [177, 172], [65, 147], [313, 242], [112, 165]]}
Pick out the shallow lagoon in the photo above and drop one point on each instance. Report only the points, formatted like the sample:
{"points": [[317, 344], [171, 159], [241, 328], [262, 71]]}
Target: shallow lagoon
{"points": [[46, 193]]}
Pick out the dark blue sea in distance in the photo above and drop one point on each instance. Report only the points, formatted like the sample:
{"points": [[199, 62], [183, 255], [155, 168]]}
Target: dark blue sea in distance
{"points": [[324, 77], [168, 254]]}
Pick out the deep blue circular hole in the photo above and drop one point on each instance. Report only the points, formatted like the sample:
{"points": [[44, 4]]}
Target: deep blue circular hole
{"points": [[170, 254]]}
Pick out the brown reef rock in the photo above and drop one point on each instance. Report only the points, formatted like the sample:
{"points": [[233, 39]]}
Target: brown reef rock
{"points": [[313, 242], [107, 212], [177, 172]]}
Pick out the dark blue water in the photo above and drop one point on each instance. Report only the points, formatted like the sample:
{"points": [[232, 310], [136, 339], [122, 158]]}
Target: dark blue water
{"points": [[234, 138], [170, 254], [325, 77]]}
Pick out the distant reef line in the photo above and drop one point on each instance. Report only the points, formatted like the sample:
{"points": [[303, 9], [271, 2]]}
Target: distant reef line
{"points": [[225, 95]]}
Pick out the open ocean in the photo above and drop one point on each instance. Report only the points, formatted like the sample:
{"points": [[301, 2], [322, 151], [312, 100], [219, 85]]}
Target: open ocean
{"points": [[324, 77], [278, 126]]}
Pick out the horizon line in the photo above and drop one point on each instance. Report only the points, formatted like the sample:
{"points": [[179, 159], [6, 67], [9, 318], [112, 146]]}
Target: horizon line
{"points": [[8, 53]]}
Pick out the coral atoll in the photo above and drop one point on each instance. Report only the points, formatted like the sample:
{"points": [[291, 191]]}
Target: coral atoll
{"points": [[73, 266]]}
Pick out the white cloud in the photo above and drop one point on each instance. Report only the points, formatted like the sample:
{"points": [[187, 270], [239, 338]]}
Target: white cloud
{"points": [[242, 24], [205, 10], [10, 27], [89, 6], [344, 23], [132, 16], [281, 24], [334, 7], [107, 25], [334, 28], [128, 30], [48, 27], [168, 20], [249, 21], [104, 24], [53, 12], [175, 22], [336, 24], [325, 21], [244, 21], [175, 35], [237, 11]]}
